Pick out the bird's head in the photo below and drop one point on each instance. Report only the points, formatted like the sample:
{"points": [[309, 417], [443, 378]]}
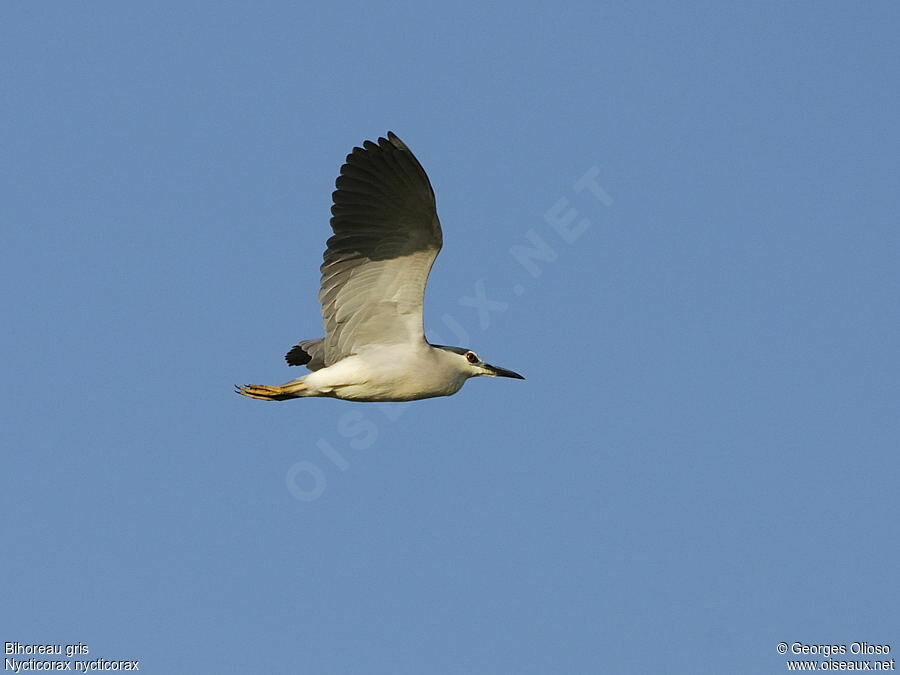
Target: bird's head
{"points": [[470, 364]]}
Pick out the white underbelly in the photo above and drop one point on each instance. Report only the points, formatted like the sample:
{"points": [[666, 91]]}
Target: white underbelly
{"points": [[389, 373]]}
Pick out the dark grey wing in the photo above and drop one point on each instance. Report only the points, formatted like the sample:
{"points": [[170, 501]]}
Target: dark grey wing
{"points": [[386, 237]]}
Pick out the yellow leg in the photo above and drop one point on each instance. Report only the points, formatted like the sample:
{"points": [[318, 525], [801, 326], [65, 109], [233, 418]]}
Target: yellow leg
{"points": [[264, 392]]}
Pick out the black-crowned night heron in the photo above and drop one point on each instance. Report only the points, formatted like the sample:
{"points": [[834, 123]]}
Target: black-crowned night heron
{"points": [[386, 237]]}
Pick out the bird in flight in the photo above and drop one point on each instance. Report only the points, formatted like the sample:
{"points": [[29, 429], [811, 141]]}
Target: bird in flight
{"points": [[386, 237]]}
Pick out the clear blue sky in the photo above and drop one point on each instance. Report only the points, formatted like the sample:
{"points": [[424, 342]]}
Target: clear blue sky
{"points": [[703, 460]]}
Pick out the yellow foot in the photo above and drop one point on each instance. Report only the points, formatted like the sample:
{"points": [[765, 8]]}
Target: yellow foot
{"points": [[266, 393]]}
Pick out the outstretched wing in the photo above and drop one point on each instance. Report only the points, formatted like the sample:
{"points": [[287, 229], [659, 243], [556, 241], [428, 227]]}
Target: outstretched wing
{"points": [[386, 237]]}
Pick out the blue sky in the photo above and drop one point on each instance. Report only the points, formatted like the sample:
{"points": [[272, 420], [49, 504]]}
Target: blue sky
{"points": [[703, 460]]}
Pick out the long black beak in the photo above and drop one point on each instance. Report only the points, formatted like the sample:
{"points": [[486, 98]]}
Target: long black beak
{"points": [[502, 372]]}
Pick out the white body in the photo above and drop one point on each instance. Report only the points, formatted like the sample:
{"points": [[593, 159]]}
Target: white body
{"points": [[401, 372]]}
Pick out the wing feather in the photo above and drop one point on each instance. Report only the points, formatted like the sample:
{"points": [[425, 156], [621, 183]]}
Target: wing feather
{"points": [[386, 237]]}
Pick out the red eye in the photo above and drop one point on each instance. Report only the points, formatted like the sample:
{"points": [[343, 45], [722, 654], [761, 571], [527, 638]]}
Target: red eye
{"points": [[471, 357]]}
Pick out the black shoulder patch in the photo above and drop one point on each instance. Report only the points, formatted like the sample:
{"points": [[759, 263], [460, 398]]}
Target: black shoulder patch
{"points": [[297, 356]]}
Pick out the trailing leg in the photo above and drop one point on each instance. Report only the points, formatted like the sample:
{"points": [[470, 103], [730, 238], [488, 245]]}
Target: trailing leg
{"points": [[264, 392]]}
